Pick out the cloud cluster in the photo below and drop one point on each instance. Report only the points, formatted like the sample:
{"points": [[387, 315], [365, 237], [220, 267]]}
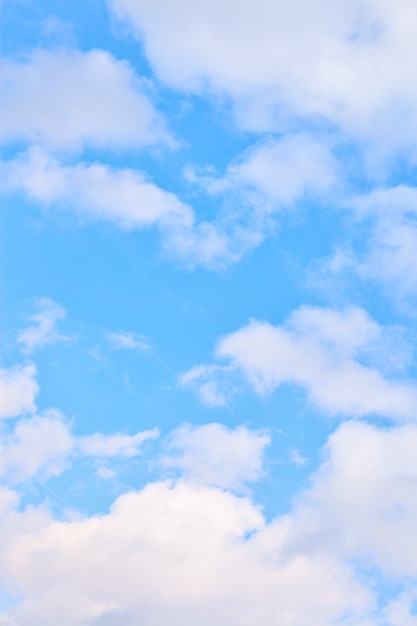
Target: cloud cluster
{"points": [[336, 356], [171, 554], [185, 552], [42, 446]]}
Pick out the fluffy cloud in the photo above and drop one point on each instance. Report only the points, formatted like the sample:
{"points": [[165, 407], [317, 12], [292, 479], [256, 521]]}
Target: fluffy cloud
{"points": [[38, 445], [281, 62], [187, 552], [338, 357], [361, 503], [44, 446], [278, 173], [67, 99], [171, 555], [43, 332], [18, 390], [95, 191], [216, 455]]}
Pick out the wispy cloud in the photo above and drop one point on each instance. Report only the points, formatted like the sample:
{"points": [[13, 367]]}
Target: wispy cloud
{"points": [[44, 331], [125, 340]]}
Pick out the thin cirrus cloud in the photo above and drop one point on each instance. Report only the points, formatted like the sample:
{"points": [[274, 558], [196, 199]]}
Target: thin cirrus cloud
{"points": [[119, 445], [125, 340], [68, 99], [340, 358]]}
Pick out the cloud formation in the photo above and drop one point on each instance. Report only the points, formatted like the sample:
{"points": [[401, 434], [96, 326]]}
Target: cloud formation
{"points": [[217, 456], [18, 390], [43, 332], [171, 554], [281, 69], [68, 99], [334, 355], [125, 340]]}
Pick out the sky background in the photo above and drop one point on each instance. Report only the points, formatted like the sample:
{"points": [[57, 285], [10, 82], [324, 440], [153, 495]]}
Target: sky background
{"points": [[208, 393]]}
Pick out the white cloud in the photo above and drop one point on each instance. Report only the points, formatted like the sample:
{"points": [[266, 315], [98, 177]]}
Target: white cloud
{"points": [[267, 178], [67, 99], [114, 445], [43, 332], [128, 199], [129, 341], [209, 382], [177, 555], [362, 501], [383, 248], [277, 173], [389, 255], [284, 62], [18, 390], [44, 445], [38, 445], [341, 358], [187, 553], [215, 455], [95, 191]]}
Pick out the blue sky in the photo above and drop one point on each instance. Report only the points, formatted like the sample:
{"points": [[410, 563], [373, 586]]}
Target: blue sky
{"points": [[208, 390]]}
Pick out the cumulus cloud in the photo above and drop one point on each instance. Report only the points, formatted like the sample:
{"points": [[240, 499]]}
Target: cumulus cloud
{"points": [[189, 552], [44, 445], [336, 356], [94, 191], [38, 445], [281, 63], [361, 503], [18, 390], [43, 332], [171, 554], [68, 99], [277, 173], [215, 455]]}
